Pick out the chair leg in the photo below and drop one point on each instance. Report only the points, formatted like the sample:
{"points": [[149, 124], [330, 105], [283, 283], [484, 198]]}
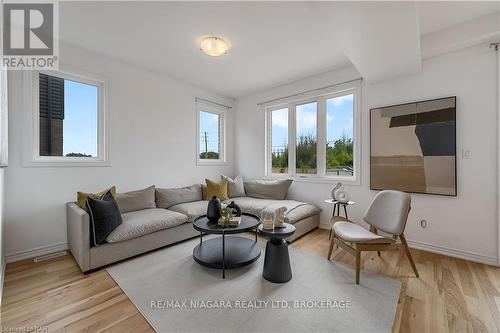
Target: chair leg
{"points": [[358, 266], [375, 231], [332, 240], [408, 254]]}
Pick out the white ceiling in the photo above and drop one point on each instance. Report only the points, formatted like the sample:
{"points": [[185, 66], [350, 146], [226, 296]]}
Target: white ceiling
{"points": [[271, 43], [434, 16]]}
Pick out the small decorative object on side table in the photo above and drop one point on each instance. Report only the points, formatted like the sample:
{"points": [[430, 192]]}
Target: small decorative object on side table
{"points": [[267, 219], [277, 261], [279, 217], [336, 208]]}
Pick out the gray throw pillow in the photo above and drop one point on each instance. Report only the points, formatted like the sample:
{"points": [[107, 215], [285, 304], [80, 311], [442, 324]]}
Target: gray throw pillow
{"points": [[235, 187], [267, 189], [136, 200], [168, 197]]}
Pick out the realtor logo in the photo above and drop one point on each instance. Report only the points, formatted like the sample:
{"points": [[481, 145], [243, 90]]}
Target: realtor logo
{"points": [[29, 35]]}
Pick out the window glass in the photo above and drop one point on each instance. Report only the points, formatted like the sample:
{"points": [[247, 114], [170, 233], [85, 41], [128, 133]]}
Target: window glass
{"points": [[68, 117], [306, 138], [339, 135], [210, 148], [279, 140]]}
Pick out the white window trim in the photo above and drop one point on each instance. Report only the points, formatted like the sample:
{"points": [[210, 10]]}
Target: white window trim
{"points": [[320, 96], [32, 147], [202, 106]]}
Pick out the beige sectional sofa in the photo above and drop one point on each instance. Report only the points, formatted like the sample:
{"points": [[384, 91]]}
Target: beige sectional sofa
{"points": [[150, 228]]}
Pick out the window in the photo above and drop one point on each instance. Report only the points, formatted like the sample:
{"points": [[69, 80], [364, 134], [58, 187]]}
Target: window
{"points": [[69, 126], [306, 138], [324, 135], [211, 127], [279, 140], [339, 135]]}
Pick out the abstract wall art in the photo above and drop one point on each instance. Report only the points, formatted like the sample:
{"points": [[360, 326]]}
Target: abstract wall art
{"points": [[413, 147]]}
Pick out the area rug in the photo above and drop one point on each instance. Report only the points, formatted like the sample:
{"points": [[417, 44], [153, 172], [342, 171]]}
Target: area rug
{"points": [[175, 294]]}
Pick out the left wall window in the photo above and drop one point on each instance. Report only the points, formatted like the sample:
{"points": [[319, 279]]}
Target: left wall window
{"points": [[69, 119]]}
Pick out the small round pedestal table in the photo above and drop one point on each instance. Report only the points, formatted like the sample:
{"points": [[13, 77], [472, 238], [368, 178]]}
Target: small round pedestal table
{"points": [[277, 261]]}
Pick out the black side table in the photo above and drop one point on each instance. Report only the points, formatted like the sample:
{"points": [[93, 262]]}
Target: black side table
{"points": [[277, 261], [336, 208]]}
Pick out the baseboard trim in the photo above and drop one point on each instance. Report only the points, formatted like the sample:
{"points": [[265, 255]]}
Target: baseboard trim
{"points": [[466, 255], [324, 225], [38, 251], [450, 252]]}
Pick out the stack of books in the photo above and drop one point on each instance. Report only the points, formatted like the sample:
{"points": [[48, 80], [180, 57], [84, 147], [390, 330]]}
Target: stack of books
{"points": [[233, 222]]}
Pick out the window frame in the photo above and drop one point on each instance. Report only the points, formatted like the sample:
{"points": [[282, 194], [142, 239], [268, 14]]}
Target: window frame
{"points": [[203, 106], [320, 96], [34, 159]]}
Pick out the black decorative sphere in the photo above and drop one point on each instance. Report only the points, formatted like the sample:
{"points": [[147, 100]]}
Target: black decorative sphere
{"points": [[213, 209]]}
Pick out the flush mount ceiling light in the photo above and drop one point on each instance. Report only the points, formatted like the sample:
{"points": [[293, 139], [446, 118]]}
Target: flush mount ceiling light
{"points": [[214, 46]]}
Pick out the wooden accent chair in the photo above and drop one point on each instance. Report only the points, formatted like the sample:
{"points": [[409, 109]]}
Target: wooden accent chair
{"points": [[388, 212]]}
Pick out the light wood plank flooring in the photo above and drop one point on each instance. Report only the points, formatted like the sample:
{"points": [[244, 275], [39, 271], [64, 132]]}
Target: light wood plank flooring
{"points": [[452, 295]]}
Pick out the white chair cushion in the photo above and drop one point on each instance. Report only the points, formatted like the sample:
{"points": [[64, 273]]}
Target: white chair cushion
{"points": [[351, 232]]}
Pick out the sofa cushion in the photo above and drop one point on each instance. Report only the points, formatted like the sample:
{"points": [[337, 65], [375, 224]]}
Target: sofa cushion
{"points": [[81, 197], [104, 217], [267, 189], [136, 200], [168, 197], [296, 210], [235, 187], [191, 209], [143, 222], [215, 189]]}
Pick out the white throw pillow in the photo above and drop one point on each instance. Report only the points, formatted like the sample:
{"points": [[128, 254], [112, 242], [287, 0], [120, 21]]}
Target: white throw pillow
{"points": [[235, 187]]}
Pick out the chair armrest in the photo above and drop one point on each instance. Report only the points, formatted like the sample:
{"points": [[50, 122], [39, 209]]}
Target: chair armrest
{"points": [[78, 221]]}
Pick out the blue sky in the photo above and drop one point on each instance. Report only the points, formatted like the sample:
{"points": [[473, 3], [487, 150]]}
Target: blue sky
{"points": [[339, 118], [209, 122], [80, 118]]}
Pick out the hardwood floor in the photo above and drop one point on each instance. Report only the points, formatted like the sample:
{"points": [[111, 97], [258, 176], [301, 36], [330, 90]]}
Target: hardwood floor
{"points": [[451, 295]]}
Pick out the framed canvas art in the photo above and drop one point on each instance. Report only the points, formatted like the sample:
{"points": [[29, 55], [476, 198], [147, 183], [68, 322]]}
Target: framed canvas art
{"points": [[413, 147]]}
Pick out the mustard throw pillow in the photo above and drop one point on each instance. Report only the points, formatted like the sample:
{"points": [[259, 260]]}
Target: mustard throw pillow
{"points": [[217, 189], [81, 197]]}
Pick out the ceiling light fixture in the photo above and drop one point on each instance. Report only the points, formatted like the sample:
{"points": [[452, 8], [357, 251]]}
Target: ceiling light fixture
{"points": [[214, 46]]}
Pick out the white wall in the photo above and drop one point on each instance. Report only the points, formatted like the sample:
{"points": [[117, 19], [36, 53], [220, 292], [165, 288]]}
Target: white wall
{"points": [[152, 134], [2, 252], [464, 226]]}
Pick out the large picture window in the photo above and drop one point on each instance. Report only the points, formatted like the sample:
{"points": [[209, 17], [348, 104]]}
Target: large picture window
{"points": [[316, 136]]}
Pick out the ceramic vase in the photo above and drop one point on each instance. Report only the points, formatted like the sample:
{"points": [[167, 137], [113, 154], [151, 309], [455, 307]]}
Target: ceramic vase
{"points": [[339, 185], [213, 209], [236, 208], [341, 195]]}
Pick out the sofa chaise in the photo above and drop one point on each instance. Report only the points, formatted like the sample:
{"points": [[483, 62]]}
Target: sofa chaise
{"points": [[154, 218]]}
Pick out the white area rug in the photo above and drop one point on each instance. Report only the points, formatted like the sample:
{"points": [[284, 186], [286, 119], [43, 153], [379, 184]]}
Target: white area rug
{"points": [[175, 294]]}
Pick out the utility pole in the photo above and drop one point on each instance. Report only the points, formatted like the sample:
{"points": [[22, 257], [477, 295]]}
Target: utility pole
{"points": [[205, 138]]}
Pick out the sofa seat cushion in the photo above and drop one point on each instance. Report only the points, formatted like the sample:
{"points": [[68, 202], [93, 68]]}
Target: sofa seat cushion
{"points": [[296, 210], [143, 222], [191, 209]]}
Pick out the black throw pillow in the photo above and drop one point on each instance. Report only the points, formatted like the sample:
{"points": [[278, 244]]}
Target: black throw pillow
{"points": [[104, 218]]}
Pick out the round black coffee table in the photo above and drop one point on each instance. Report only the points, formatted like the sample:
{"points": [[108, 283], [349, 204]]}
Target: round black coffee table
{"points": [[277, 261], [226, 252]]}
